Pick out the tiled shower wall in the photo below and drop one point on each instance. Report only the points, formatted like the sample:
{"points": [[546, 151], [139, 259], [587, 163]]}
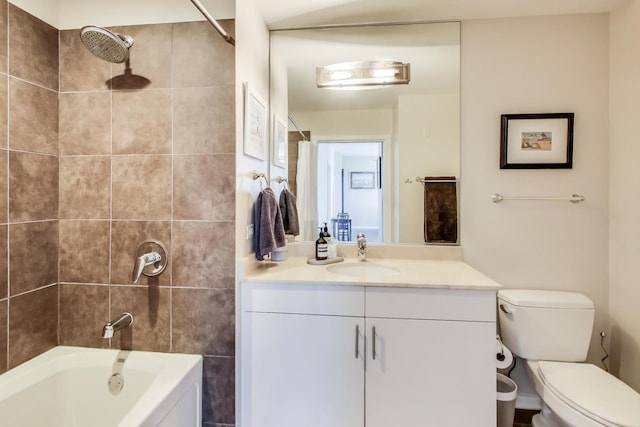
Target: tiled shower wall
{"points": [[28, 186], [146, 152]]}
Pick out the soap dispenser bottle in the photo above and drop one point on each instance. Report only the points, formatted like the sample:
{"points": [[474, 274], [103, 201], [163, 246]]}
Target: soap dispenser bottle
{"points": [[331, 245], [322, 247]]}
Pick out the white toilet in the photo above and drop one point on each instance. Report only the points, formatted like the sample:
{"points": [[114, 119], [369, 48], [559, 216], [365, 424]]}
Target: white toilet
{"points": [[552, 331]]}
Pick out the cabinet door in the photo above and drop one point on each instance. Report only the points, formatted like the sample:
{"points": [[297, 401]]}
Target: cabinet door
{"points": [[302, 371], [430, 373]]}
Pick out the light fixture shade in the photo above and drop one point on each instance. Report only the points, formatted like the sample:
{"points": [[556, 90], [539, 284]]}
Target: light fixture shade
{"points": [[364, 73]]}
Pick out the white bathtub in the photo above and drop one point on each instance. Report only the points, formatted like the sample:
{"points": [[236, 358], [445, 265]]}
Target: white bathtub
{"points": [[68, 387]]}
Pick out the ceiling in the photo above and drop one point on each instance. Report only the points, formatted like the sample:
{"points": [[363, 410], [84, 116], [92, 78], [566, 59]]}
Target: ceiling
{"points": [[302, 13]]}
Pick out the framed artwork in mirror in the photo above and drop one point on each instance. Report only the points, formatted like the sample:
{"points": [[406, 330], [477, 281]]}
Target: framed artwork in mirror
{"points": [[255, 124], [363, 180], [279, 142], [536, 141]]}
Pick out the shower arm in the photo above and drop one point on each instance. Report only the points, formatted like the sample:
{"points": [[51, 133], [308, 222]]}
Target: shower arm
{"points": [[213, 22]]}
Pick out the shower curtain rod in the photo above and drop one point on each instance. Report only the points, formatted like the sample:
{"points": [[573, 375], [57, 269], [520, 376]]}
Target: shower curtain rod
{"points": [[295, 125], [213, 22]]}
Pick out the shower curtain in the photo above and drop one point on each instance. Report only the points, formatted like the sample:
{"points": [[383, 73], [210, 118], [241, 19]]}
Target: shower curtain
{"points": [[307, 189]]}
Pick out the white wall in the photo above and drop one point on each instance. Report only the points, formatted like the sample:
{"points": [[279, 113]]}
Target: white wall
{"points": [[69, 14], [534, 65], [252, 66], [624, 176]]}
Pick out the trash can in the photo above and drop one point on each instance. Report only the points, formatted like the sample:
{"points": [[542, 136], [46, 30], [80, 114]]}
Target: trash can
{"points": [[507, 390]]}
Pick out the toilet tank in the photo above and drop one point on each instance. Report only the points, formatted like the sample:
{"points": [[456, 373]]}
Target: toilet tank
{"points": [[546, 325]]}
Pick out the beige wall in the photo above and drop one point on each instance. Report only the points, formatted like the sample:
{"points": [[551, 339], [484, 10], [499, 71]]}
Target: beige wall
{"points": [[428, 144], [623, 188], [534, 65]]}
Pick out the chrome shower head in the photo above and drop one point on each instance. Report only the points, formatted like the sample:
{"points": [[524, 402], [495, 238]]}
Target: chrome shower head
{"points": [[106, 44]]}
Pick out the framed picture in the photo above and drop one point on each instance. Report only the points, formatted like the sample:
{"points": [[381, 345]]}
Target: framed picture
{"points": [[255, 124], [363, 180], [536, 141], [279, 142]]}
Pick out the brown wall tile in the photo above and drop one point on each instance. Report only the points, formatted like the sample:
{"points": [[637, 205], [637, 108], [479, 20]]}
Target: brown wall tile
{"points": [[4, 283], [141, 187], [204, 254], [204, 120], [126, 236], [3, 336], [203, 321], [33, 260], [84, 251], [218, 390], [33, 187], [201, 57], [142, 122], [84, 310], [4, 22], [33, 122], [33, 320], [85, 187], [85, 123], [4, 196], [79, 68], [151, 310], [149, 58], [33, 49], [204, 187], [4, 99]]}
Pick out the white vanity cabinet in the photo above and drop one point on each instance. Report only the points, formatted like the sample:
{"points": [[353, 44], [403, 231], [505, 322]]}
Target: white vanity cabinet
{"points": [[431, 359], [318, 355]]}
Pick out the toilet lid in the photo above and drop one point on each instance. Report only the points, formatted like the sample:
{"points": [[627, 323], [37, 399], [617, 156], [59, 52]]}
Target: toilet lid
{"points": [[593, 392]]}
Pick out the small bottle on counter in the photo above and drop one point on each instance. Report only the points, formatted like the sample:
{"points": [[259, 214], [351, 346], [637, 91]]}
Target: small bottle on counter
{"points": [[332, 249], [322, 247]]}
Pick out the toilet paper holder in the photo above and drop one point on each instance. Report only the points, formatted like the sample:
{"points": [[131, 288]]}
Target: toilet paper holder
{"points": [[500, 356]]}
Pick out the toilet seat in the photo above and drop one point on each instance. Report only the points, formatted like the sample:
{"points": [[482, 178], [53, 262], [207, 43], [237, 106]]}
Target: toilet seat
{"points": [[589, 391]]}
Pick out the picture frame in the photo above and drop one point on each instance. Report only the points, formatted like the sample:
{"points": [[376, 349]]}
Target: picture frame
{"points": [[255, 124], [536, 141], [279, 142], [362, 180]]}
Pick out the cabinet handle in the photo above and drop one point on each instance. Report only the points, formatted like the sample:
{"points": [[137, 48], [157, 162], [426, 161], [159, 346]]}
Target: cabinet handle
{"points": [[357, 340], [373, 342]]}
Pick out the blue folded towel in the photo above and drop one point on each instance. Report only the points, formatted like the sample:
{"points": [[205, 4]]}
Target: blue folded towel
{"points": [[269, 230], [289, 212]]}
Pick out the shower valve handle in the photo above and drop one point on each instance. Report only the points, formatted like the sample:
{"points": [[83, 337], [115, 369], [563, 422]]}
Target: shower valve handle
{"points": [[151, 260]]}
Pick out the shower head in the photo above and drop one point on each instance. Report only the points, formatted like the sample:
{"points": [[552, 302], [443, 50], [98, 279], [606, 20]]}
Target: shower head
{"points": [[106, 44]]}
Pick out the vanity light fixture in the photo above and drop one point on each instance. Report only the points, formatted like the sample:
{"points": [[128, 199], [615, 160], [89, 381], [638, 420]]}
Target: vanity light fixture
{"points": [[353, 75]]}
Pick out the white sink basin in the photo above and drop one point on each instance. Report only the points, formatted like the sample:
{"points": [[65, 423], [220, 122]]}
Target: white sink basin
{"points": [[363, 269]]}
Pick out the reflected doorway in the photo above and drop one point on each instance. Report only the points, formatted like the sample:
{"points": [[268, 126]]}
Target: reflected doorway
{"points": [[350, 189]]}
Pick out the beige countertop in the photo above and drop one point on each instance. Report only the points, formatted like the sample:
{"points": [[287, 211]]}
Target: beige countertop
{"points": [[426, 273]]}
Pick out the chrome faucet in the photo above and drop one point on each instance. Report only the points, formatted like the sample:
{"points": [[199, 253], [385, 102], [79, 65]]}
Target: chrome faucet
{"points": [[141, 262], [362, 247], [121, 322]]}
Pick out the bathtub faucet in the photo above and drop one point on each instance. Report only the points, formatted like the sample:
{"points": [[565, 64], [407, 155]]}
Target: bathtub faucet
{"points": [[121, 322]]}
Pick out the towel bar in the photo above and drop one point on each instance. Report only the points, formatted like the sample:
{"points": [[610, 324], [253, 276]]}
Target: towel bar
{"points": [[574, 198], [422, 180]]}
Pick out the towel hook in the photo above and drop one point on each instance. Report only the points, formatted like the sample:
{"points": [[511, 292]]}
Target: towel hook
{"points": [[281, 180], [257, 175]]}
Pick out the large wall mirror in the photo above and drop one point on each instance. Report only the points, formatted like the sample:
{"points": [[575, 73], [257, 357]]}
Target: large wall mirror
{"points": [[367, 150]]}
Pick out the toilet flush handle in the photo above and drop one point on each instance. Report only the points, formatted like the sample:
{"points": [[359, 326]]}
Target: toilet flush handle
{"points": [[505, 309]]}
